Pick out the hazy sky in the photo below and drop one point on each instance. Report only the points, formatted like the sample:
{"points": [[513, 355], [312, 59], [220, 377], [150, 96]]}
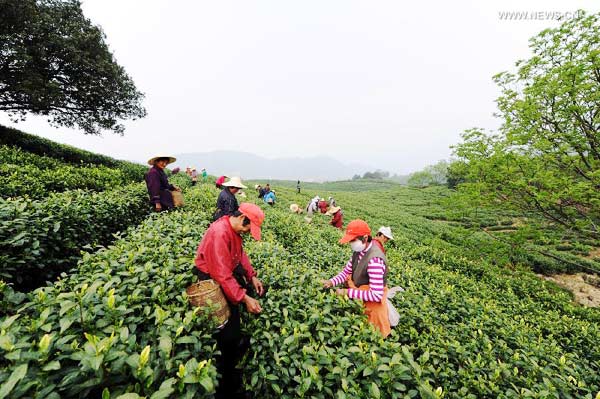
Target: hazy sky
{"points": [[385, 83]]}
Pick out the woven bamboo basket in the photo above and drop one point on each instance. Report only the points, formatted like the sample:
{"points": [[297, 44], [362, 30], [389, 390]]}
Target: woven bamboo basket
{"points": [[177, 198], [209, 293]]}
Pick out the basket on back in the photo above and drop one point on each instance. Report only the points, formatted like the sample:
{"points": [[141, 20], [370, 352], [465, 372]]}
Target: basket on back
{"points": [[177, 198], [208, 293]]}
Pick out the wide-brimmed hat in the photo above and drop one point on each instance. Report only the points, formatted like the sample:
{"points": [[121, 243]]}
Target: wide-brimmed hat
{"points": [[234, 182], [355, 228], [171, 159], [333, 210], [256, 216], [386, 231], [294, 208]]}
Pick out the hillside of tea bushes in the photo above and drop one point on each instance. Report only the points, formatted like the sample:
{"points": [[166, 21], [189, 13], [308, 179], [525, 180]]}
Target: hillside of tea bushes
{"points": [[119, 326], [55, 201]]}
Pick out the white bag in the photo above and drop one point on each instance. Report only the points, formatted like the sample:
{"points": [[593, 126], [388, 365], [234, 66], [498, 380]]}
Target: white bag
{"points": [[393, 314]]}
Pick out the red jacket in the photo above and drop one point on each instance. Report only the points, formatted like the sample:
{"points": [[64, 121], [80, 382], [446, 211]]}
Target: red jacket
{"points": [[219, 253], [337, 220], [323, 206]]}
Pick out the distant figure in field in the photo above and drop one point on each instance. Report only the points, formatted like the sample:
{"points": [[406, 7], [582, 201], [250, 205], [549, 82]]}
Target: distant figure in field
{"points": [[157, 183], [188, 171], [294, 208], [260, 190], [204, 175], [312, 206], [219, 182], [270, 198], [338, 217], [332, 201], [384, 234], [176, 170], [227, 203], [322, 204], [298, 186], [194, 177]]}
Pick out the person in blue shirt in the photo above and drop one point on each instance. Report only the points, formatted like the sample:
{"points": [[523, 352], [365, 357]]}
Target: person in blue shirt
{"points": [[270, 198]]}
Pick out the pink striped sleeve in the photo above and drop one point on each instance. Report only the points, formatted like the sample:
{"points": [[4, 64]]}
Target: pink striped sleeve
{"points": [[376, 270], [340, 278]]}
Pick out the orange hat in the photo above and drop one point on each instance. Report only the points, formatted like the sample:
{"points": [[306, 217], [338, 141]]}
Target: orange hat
{"points": [[256, 216], [355, 229]]}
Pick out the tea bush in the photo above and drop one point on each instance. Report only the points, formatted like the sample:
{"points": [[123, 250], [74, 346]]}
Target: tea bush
{"points": [[64, 153], [41, 239], [27, 174], [468, 328], [119, 323]]}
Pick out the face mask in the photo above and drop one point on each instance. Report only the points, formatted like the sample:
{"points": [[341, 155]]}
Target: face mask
{"points": [[357, 246]]}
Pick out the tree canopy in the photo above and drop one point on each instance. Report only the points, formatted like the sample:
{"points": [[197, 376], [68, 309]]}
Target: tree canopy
{"points": [[546, 156], [55, 62], [432, 175]]}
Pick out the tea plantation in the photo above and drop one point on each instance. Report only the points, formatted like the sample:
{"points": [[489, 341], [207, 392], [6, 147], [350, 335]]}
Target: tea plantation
{"points": [[118, 324]]}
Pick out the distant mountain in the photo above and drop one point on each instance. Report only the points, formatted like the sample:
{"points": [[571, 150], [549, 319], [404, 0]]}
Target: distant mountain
{"points": [[251, 166]]}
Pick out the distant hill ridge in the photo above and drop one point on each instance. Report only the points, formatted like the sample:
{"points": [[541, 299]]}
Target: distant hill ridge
{"points": [[251, 166]]}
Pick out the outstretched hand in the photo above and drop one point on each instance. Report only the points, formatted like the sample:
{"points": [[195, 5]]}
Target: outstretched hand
{"points": [[258, 286], [252, 305]]}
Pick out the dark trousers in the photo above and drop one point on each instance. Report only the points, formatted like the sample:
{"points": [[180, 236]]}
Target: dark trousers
{"points": [[231, 343]]}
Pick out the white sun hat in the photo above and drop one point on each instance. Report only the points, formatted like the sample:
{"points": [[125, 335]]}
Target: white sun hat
{"points": [[386, 231], [234, 182]]}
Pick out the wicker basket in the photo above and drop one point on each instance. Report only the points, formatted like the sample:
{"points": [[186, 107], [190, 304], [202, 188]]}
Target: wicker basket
{"points": [[177, 198], [209, 293]]}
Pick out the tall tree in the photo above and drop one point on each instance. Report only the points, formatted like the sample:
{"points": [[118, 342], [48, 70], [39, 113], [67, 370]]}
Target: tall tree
{"points": [[54, 62], [546, 156], [431, 175]]}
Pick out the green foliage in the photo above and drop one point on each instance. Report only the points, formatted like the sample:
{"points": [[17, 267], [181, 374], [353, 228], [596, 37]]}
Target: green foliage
{"points": [[333, 187], [20, 176], [431, 175], [120, 324], [378, 174], [39, 239], [48, 149], [546, 157], [469, 327], [456, 174], [55, 62]]}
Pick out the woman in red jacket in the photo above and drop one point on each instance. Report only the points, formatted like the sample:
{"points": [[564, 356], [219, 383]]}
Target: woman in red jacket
{"points": [[338, 217]]}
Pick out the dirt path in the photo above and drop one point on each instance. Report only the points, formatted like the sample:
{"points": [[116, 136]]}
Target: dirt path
{"points": [[585, 293], [594, 254]]}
